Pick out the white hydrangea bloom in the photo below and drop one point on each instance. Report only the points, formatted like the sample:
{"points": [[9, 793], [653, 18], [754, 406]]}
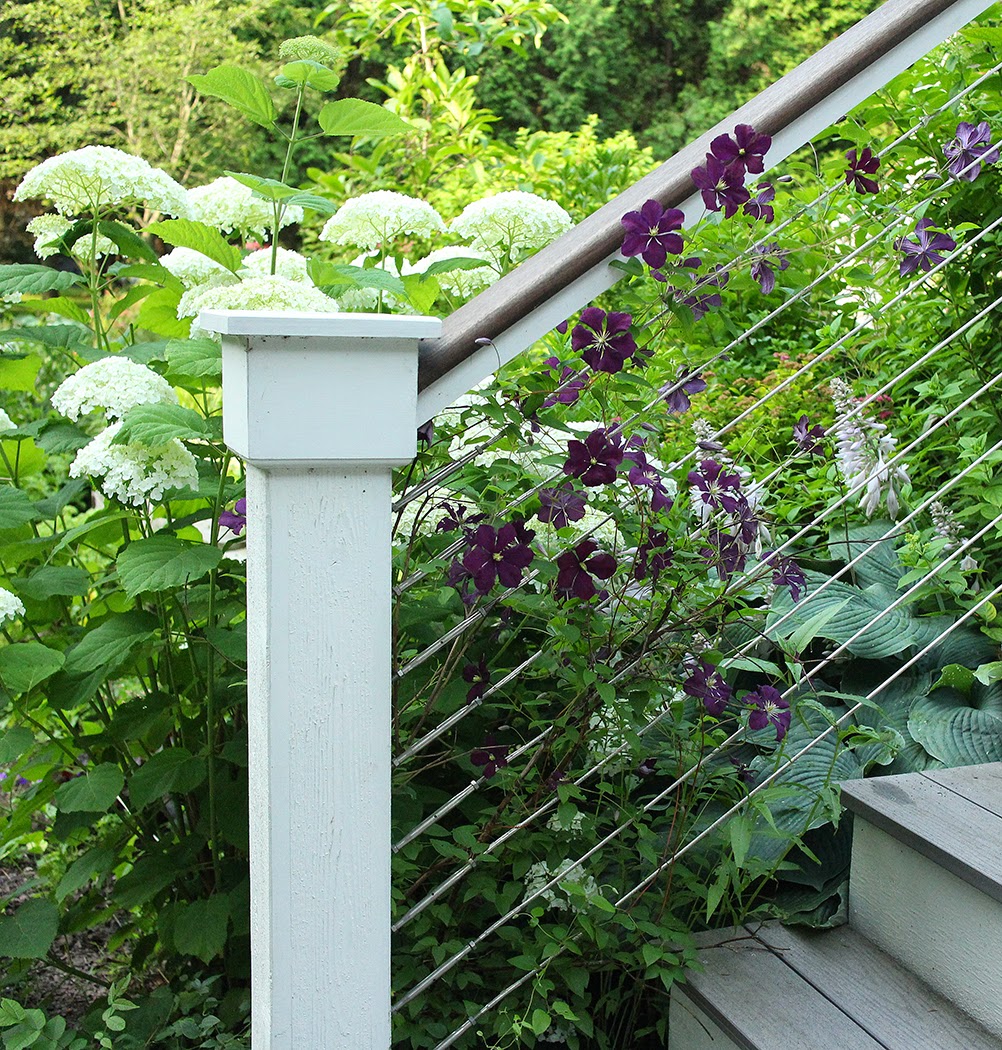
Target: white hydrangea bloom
{"points": [[377, 218], [48, 228], [230, 205], [193, 268], [568, 871], [133, 473], [10, 606], [96, 178], [464, 283], [255, 293], [115, 384], [6, 423], [11, 297], [515, 221], [291, 265]]}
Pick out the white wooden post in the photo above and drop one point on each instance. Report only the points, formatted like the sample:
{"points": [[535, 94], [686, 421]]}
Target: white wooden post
{"points": [[321, 407]]}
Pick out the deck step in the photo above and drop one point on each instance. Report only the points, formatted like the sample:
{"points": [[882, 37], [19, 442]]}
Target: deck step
{"points": [[926, 879], [780, 988]]}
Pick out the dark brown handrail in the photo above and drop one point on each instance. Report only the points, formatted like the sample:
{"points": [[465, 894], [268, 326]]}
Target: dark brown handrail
{"points": [[597, 237]]}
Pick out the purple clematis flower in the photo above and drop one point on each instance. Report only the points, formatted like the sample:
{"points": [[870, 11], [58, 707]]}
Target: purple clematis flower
{"points": [[924, 252], [720, 186], [769, 255], [645, 474], [858, 170], [560, 506], [596, 459], [577, 566], [498, 554], [760, 206], [676, 394], [705, 683], [570, 387], [479, 677], [493, 756], [650, 233], [455, 518], [768, 707], [744, 152], [808, 439], [725, 552], [604, 339], [235, 520], [716, 488], [654, 555], [787, 573], [969, 150], [426, 432]]}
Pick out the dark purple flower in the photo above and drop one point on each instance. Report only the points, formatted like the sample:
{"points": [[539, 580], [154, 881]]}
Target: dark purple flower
{"points": [[720, 186], [455, 518], [706, 684], [807, 438], [595, 459], [493, 756], [235, 519], [769, 707], [769, 255], [479, 677], [969, 150], [563, 326], [725, 552], [787, 573], [561, 505], [676, 394], [571, 384], [604, 339], [576, 567], [426, 432], [654, 555], [760, 206], [924, 252], [498, 554], [648, 767], [716, 488], [744, 152], [643, 473], [650, 233], [745, 773], [858, 170]]}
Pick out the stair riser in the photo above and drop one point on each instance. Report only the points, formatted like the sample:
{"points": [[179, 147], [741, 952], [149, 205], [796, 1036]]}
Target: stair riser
{"points": [[934, 923], [689, 1028]]}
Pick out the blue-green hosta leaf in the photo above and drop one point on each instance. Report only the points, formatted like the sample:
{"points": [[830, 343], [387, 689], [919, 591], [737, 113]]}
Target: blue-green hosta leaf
{"points": [[16, 507], [30, 931], [200, 927], [32, 279], [197, 358], [93, 792], [161, 563], [880, 565], [240, 89], [173, 769], [108, 644], [24, 664], [155, 425], [207, 240], [954, 732], [14, 742], [353, 116]]}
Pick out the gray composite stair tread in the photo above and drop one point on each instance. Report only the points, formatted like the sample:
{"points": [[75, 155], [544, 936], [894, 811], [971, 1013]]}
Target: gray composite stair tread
{"points": [[951, 816], [888, 1001]]}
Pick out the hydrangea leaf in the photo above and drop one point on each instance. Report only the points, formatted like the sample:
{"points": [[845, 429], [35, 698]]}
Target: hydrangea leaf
{"points": [[458, 263], [161, 563], [312, 74], [128, 242], [61, 336], [32, 279], [25, 664], [200, 927], [108, 644], [173, 769], [267, 189], [208, 241], [240, 89], [312, 202], [30, 931], [63, 436], [195, 358], [422, 291], [159, 314], [97, 861], [61, 305], [18, 373], [16, 507], [93, 792], [50, 580], [155, 425], [14, 743], [353, 116]]}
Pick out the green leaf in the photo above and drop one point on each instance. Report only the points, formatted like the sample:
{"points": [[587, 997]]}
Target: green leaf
{"points": [[108, 644], [197, 358], [955, 733], [30, 931], [447, 265], [50, 580], [421, 291], [62, 305], [353, 116], [24, 664], [14, 742], [312, 74], [61, 336], [32, 279], [163, 562], [155, 425], [63, 436], [94, 792], [158, 314], [540, 1021], [955, 676], [240, 89], [18, 373], [880, 565], [268, 189], [16, 507], [988, 673], [128, 242], [208, 241], [312, 202], [740, 828], [96, 861], [200, 927], [11, 1012], [170, 770]]}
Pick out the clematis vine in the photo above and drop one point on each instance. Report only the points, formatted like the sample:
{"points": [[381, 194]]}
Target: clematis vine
{"points": [[721, 187], [560, 506], [807, 438], [706, 683], [676, 394], [498, 555], [760, 206], [491, 757], [744, 152], [762, 269], [479, 677]]}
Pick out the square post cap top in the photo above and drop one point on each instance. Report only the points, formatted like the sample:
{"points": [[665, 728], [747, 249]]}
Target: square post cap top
{"points": [[320, 325]]}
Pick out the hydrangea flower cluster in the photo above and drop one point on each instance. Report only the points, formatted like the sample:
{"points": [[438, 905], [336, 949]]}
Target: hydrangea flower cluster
{"points": [[568, 871], [193, 268], [49, 228], [255, 293], [288, 264], [114, 384], [514, 221], [309, 49], [230, 206], [11, 606], [95, 179], [6, 423], [375, 220]]}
